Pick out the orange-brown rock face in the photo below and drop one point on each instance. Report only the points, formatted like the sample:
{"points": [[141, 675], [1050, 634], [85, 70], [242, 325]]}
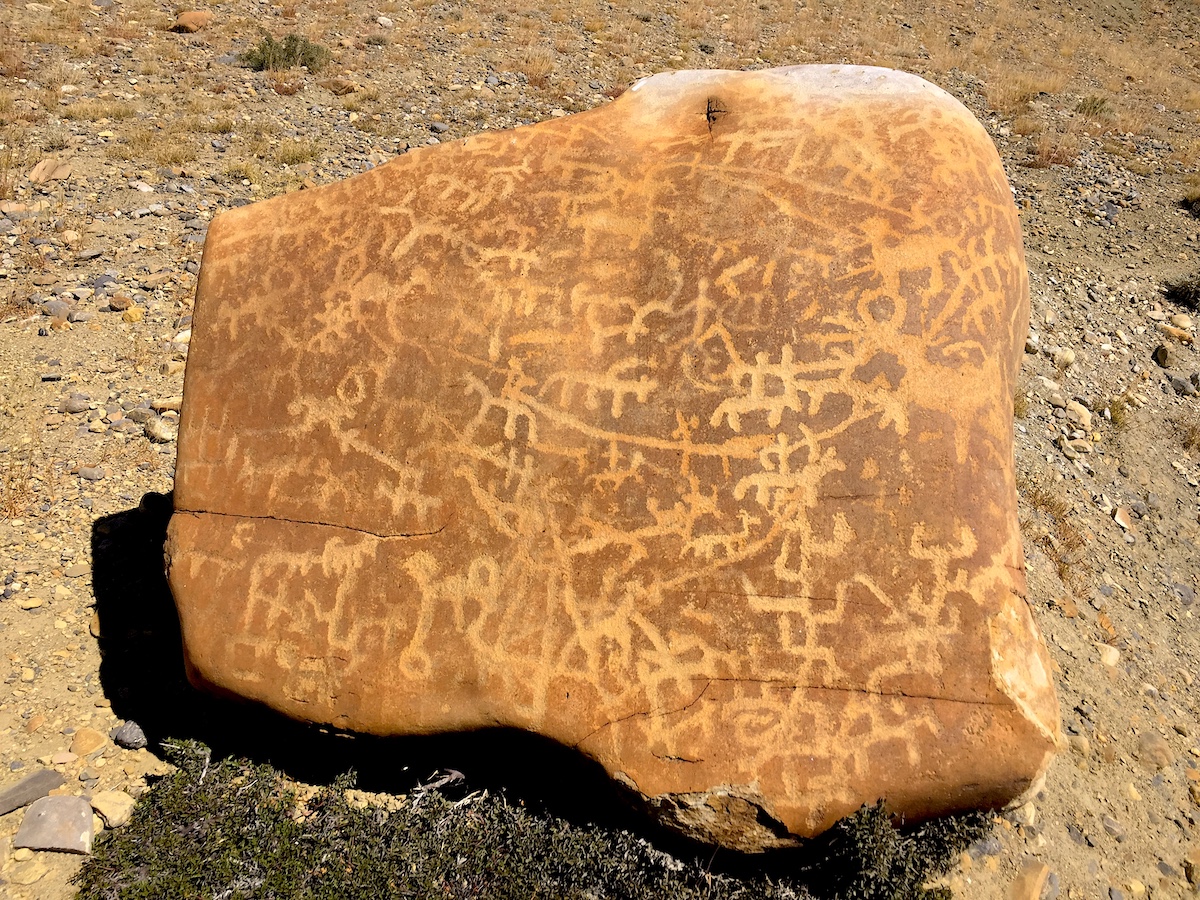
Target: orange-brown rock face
{"points": [[678, 431]]}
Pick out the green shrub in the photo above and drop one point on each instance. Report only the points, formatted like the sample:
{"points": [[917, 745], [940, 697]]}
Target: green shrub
{"points": [[236, 829], [293, 50]]}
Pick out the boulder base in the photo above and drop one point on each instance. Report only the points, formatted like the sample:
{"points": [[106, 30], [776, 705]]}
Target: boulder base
{"points": [[678, 431]]}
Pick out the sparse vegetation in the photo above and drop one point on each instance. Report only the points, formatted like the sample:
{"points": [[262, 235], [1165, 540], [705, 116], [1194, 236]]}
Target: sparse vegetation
{"points": [[16, 485], [1095, 107], [95, 110], [1186, 426], [1120, 412], [277, 56], [9, 164], [12, 62], [1185, 292], [1054, 148], [232, 828], [293, 152], [537, 63], [1011, 92], [244, 170], [1191, 200], [1020, 405], [1061, 540]]}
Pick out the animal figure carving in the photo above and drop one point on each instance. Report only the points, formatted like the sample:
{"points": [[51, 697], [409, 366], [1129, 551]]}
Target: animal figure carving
{"points": [[678, 431]]}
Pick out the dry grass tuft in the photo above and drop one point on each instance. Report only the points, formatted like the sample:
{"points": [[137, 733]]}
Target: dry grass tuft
{"points": [[537, 64], [1096, 108], [1011, 92], [293, 152], [10, 166], [95, 110], [1026, 125], [12, 63], [1062, 541], [1187, 428], [1054, 148], [1120, 412], [10, 306], [244, 170], [16, 486], [167, 148]]}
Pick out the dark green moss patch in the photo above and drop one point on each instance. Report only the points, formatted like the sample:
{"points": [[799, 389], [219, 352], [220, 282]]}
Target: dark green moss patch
{"points": [[236, 829]]}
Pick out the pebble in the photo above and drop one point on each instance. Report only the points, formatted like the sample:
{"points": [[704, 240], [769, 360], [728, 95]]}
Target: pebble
{"points": [[192, 20], [1191, 866], [1026, 814], [63, 824], [168, 403], [27, 871], [119, 303], [1114, 828], [160, 431], [1064, 358], [91, 473], [32, 787], [114, 807], [1109, 655], [76, 403], [1154, 749], [1165, 356], [1183, 386], [1079, 413], [87, 740], [1030, 881], [130, 736], [56, 309], [28, 603]]}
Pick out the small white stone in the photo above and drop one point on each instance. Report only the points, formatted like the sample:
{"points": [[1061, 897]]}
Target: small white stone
{"points": [[1109, 655]]}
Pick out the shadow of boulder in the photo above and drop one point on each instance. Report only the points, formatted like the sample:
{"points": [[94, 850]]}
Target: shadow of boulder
{"points": [[142, 673]]}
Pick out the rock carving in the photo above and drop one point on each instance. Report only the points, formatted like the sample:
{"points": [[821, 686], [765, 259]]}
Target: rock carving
{"points": [[679, 431]]}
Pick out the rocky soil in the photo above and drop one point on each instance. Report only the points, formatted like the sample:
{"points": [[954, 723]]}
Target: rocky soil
{"points": [[120, 139]]}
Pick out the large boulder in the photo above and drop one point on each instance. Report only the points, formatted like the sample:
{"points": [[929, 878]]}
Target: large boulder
{"points": [[678, 431]]}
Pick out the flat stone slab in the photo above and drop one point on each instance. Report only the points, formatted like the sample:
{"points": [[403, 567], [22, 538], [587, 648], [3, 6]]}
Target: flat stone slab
{"points": [[678, 431], [30, 788], [57, 823]]}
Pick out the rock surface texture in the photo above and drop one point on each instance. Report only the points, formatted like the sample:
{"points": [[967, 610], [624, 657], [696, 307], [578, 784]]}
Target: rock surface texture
{"points": [[678, 431]]}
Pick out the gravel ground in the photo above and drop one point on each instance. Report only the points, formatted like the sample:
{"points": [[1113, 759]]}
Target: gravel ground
{"points": [[122, 139]]}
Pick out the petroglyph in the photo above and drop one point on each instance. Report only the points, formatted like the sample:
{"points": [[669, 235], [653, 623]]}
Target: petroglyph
{"points": [[678, 431]]}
